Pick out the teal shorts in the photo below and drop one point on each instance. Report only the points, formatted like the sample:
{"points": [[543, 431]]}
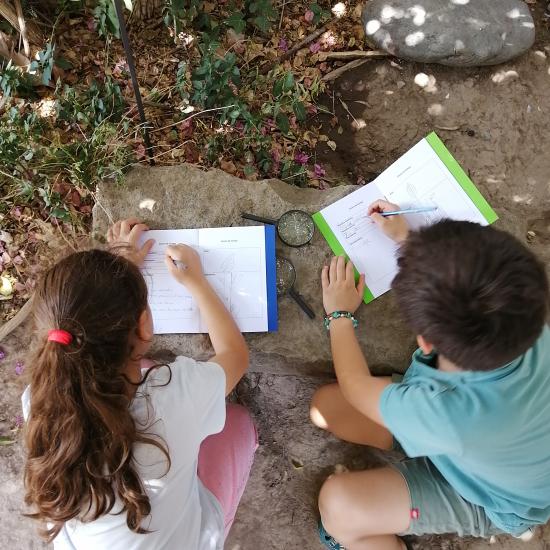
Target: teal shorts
{"points": [[436, 508]]}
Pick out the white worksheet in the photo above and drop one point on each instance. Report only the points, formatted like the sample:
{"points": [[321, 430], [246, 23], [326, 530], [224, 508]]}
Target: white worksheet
{"points": [[418, 179], [233, 261]]}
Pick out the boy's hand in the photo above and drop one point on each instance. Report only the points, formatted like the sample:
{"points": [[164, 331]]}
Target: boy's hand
{"points": [[339, 290], [395, 227], [188, 271], [126, 235]]}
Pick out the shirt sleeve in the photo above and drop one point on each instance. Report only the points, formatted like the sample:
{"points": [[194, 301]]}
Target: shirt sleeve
{"points": [[419, 417], [202, 385]]}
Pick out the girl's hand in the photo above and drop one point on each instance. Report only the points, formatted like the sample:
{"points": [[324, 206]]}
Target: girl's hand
{"points": [[126, 235], [188, 270], [395, 227], [340, 293]]}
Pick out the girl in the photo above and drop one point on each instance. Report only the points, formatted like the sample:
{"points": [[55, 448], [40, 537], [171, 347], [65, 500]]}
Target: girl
{"points": [[121, 456]]}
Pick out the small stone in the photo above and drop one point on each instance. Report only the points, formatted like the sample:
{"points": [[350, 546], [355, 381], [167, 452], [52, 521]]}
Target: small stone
{"points": [[400, 84], [450, 32], [6, 287], [435, 109], [5, 237], [358, 124], [531, 236], [422, 80]]}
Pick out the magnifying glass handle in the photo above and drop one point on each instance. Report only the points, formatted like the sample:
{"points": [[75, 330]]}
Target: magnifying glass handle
{"points": [[258, 219], [300, 301]]}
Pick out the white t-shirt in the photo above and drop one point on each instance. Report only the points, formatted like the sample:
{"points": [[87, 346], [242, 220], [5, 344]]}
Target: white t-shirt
{"points": [[184, 514]]}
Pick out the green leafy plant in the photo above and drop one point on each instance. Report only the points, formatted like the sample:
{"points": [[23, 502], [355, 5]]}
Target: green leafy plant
{"points": [[262, 14], [182, 83], [287, 95], [34, 157], [106, 19], [44, 64], [216, 78], [319, 14], [236, 21], [179, 14], [97, 103], [13, 80]]}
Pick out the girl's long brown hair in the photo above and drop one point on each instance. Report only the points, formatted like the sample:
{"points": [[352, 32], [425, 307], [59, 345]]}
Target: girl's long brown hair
{"points": [[80, 432]]}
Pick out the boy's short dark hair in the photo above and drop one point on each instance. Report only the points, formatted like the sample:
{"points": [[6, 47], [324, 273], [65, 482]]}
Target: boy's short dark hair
{"points": [[476, 293]]}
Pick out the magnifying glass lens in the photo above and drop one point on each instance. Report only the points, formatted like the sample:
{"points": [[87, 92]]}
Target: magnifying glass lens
{"points": [[286, 275], [295, 228]]}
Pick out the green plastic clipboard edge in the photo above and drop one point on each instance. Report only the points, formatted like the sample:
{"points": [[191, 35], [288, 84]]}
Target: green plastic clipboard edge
{"points": [[461, 177], [337, 248]]}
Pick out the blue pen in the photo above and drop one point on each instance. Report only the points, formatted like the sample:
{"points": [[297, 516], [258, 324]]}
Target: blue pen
{"points": [[410, 211]]}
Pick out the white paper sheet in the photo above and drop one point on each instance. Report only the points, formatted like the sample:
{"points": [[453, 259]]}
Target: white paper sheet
{"points": [[234, 262], [417, 179]]}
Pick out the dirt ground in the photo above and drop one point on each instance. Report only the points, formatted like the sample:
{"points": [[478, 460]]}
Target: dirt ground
{"points": [[495, 121]]}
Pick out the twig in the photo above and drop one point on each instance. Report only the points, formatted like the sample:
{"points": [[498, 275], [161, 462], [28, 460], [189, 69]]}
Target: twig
{"points": [[8, 13], [98, 203], [23, 27], [309, 38], [192, 116], [71, 245], [282, 12], [346, 108], [341, 70], [18, 59], [355, 54], [7, 328]]}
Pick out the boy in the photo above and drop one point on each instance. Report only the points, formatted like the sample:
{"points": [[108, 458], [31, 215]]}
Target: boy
{"points": [[472, 412]]}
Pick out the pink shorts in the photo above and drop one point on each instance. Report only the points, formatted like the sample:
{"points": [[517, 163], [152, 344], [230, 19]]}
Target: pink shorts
{"points": [[225, 460]]}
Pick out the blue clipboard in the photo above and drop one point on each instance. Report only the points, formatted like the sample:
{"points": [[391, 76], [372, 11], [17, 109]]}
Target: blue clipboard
{"points": [[271, 278]]}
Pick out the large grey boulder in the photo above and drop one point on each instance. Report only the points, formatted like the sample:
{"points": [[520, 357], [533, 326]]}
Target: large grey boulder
{"points": [[450, 32], [185, 196]]}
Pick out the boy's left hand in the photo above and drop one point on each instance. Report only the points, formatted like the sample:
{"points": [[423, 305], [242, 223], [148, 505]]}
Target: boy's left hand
{"points": [[126, 234], [340, 293]]}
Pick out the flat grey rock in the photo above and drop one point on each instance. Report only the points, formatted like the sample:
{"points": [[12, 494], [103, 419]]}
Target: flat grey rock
{"points": [[185, 196], [450, 32]]}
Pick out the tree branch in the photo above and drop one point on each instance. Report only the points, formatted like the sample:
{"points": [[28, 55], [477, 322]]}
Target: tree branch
{"points": [[23, 27], [354, 54], [7, 52], [33, 33], [341, 70]]}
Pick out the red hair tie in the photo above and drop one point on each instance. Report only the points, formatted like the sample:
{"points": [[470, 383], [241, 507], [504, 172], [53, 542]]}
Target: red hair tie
{"points": [[60, 336]]}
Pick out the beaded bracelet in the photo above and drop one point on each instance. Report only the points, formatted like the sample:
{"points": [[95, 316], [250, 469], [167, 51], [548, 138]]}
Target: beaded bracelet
{"points": [[337, 315]]}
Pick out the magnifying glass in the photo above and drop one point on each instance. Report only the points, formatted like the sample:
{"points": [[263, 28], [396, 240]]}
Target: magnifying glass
{"points": [[286, 277], [295, 227]]}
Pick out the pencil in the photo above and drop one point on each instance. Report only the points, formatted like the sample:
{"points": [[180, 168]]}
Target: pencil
{"points": [[409, 211]]}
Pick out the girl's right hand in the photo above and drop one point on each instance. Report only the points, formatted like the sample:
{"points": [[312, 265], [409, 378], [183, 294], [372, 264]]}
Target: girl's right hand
{"points": [[188, 270], [394, 227]]}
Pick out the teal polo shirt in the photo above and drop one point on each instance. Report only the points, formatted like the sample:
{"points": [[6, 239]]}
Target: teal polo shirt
{"points": [[488, 433]]}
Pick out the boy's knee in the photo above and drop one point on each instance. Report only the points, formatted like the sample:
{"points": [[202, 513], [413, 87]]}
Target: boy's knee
{"points": [[333, 503], [317, 406]]}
